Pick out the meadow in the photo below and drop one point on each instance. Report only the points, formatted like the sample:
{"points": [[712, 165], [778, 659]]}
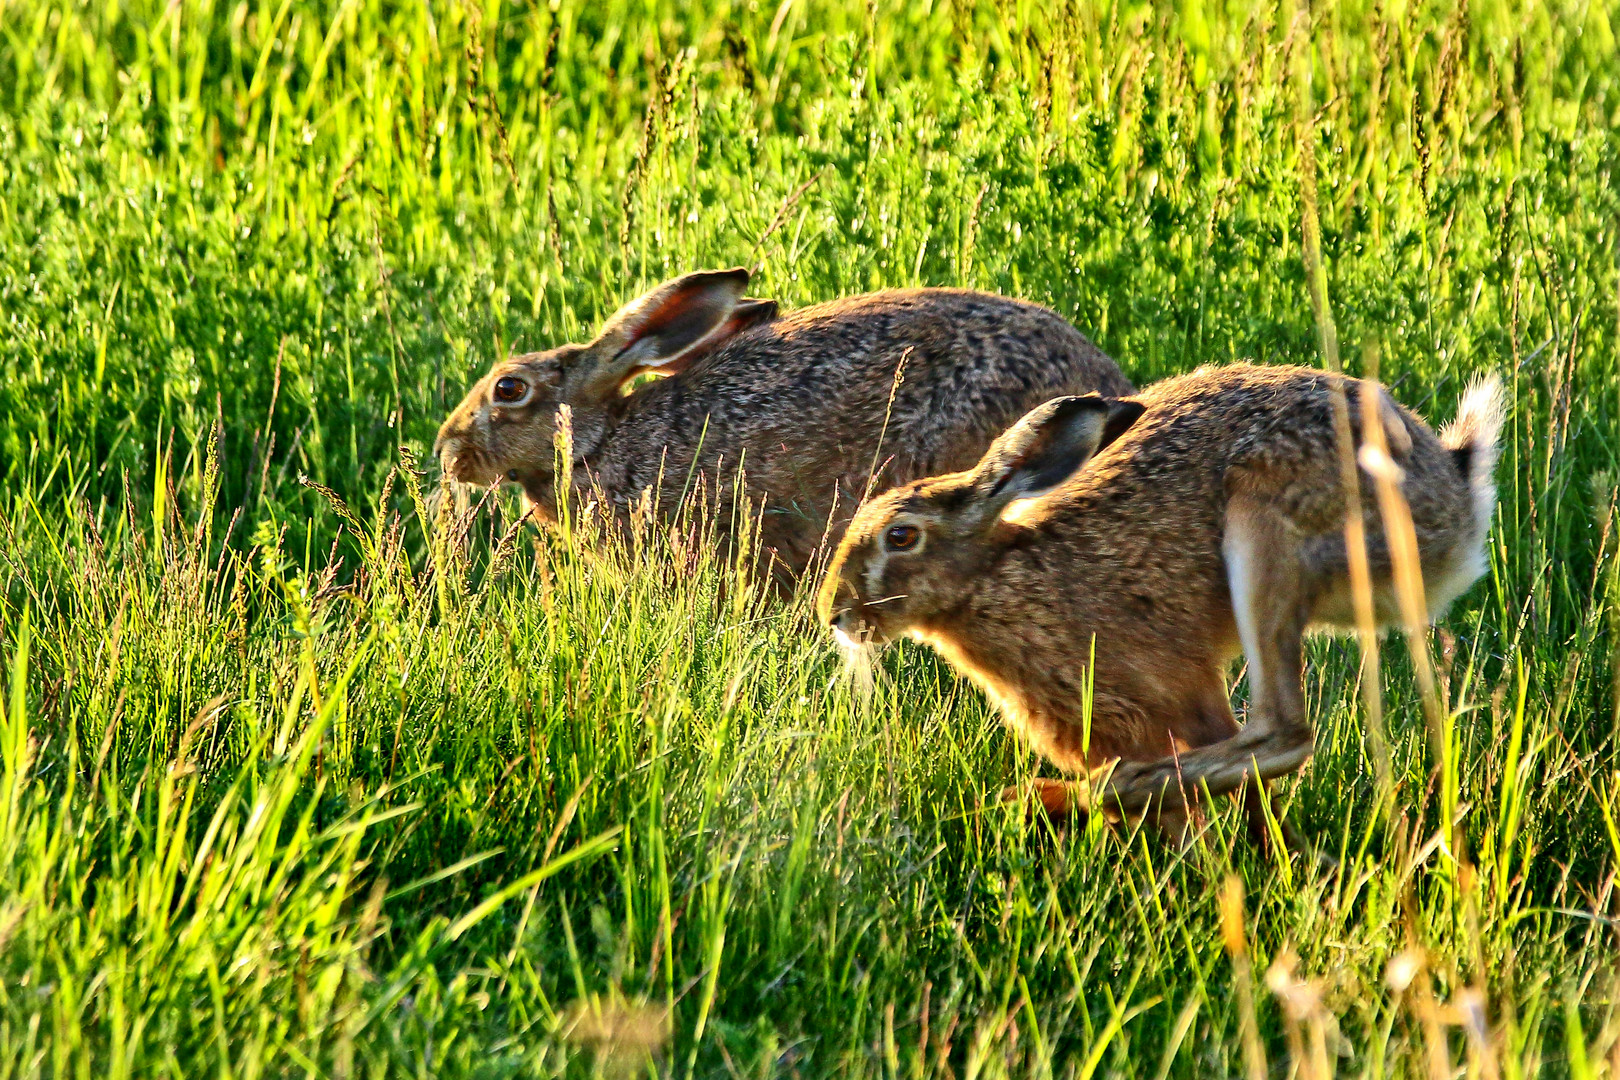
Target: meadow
{"points": [[308, 771]]}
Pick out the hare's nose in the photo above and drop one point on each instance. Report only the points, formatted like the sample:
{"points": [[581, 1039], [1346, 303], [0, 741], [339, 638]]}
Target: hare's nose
{"points": [[450, 442], [846, 621]]}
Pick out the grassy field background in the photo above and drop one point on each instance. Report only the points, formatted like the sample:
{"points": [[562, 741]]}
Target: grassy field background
{"points": [[331, 779]]}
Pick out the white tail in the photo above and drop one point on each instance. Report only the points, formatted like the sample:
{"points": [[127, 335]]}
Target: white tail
{"points": [[1472, 440]]}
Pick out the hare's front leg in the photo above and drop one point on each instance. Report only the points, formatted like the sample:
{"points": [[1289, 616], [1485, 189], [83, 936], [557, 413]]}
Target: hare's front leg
{"points": [[1055, 796], [1270, 593], [1073, 801]]}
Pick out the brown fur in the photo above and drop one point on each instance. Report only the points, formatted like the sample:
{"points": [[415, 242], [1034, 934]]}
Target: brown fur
{"points": [[1214, 501], [800, 400]]}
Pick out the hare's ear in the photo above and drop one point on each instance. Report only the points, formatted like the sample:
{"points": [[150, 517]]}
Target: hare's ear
{"points": [[1047, 447], [749, 312], [657, 330]]}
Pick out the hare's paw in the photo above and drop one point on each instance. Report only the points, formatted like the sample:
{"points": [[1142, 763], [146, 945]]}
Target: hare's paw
{"points": [[1061, 799]]}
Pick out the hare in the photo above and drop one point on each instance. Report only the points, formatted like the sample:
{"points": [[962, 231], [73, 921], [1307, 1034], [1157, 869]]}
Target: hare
{"points": [[1201, 519], [810, 404]]}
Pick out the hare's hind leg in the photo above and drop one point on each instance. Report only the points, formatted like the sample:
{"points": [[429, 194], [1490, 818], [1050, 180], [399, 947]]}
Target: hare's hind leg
{"points": [[1212, 724], [1215, 725], [1271, 594]]}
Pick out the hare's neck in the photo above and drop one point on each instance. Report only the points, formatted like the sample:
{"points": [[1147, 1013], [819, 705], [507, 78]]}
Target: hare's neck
{"points": [[995, 671], [634, 445]]}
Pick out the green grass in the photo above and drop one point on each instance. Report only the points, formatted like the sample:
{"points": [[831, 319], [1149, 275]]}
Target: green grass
{"points": [[316, 780]]}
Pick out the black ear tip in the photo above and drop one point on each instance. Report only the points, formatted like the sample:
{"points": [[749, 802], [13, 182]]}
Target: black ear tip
{"points": [[735, 278], [1121, 416], [1067, 408], [1071, 410]]}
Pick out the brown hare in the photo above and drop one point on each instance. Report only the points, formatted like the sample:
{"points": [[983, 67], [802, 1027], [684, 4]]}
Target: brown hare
{"points": [[1200, 519], [810, 403]]}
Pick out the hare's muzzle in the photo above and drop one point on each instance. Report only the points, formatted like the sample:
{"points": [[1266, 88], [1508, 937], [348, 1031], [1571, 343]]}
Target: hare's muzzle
{"points": [[459, 456], [843, 612], [853, 632], [841, 607]]}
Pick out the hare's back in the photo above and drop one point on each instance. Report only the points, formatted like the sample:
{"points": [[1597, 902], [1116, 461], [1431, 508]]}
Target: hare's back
{"points": [[1274, 429], [977, 364], [939, 372], [949, 338]]}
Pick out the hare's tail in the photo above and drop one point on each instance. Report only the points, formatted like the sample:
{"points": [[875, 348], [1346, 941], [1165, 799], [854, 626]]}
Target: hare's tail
{"points": [[1472, 440]]}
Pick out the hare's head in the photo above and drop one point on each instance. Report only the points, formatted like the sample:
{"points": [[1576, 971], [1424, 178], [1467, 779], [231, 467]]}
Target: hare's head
{"points": [[913, 554], [505, 426]]}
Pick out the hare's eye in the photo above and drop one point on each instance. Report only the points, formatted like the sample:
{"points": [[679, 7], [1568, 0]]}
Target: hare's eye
{"points": [[902, 537], [509, 389]]}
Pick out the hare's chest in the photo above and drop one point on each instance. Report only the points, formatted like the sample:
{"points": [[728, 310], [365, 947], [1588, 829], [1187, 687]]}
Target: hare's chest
{"points": [[1029, 704], [1000, 686]]}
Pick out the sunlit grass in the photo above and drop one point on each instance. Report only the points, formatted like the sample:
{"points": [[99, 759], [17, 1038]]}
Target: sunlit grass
{"points": [[309, 772]]}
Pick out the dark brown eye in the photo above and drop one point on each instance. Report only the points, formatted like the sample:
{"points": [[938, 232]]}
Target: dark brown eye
{"points": [[508, 389], [902, 537]]}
